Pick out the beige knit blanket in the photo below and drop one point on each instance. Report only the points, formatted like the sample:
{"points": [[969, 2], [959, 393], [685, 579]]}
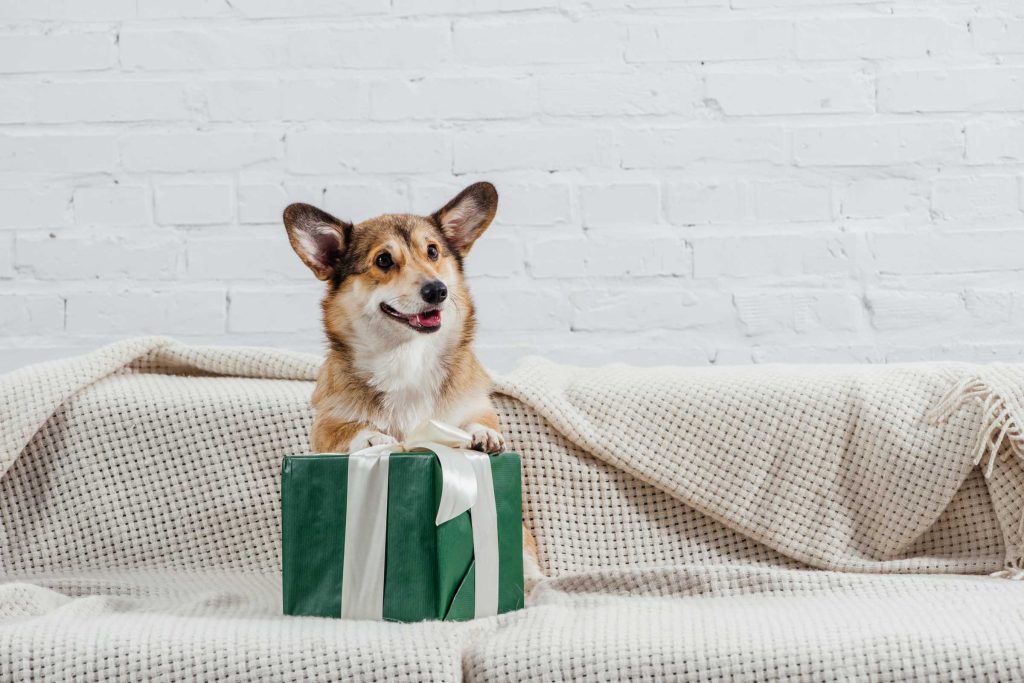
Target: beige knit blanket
{"points": [[746, 523]]}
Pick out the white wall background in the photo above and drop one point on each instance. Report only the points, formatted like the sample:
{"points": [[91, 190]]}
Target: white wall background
{"points": [[703, 181]]}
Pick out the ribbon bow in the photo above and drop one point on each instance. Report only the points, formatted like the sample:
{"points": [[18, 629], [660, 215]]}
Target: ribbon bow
{"points": [[466, 484]]}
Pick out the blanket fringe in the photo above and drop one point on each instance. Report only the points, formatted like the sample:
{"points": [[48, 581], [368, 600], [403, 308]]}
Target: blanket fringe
{"points": [[1000, 433], [1014, 570], [999, 425]]}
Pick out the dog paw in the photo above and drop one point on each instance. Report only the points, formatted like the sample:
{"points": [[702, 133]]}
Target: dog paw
{"points": [[368, 438], [486, 440]]}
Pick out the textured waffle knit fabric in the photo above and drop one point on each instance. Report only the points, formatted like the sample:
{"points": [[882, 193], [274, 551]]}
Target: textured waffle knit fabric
{"points": [[696, 524]]}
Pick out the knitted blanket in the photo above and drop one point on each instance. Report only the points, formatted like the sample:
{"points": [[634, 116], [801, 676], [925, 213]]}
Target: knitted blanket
{"points": [[763, 522]]}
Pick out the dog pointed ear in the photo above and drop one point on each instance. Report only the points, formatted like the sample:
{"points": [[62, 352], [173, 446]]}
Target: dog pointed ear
{"points": [[317, 237], [464, 218]]}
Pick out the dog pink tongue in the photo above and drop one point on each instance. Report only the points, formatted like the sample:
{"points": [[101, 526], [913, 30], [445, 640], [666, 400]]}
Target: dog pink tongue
{"points": [[428, 318]]}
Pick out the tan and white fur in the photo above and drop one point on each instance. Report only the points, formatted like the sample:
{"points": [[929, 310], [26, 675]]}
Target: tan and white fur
{"points": [[400, 324]]}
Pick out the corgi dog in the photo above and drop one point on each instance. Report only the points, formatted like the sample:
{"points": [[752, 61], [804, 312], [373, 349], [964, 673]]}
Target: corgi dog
{"points": [[400, 323]]}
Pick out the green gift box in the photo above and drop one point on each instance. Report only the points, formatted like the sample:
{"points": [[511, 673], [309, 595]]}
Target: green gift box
{"points": [[429, 569]]}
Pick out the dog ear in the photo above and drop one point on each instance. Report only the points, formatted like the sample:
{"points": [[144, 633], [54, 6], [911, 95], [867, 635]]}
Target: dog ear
{"points": [[464, 218], [317, 237]]}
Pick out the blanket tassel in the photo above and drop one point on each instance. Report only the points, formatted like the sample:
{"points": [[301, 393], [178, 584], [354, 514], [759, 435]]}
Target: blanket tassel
{"points": [[999, 428]]}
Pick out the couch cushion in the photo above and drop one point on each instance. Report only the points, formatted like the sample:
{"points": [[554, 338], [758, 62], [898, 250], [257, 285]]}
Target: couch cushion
{"points": [[186, 626], [838, 627]]}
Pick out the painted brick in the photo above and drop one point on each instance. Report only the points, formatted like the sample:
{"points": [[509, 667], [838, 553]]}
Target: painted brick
{"points": [[620, 204], [538, 42], [895, 311], [356, 202], [975, 197], [31, 314], [544, 150], [57, 153], [248, 100], [18, 102], [995, 142], [495, 255], [368, 152], [877, 144], [62, 10], [245, 257], [881, 197], [767, 94], [451, 98], [579, 256], [792, 201], [182, 9], [642, 308], [446, 7], [122, 312], [35, 207], [709, 41], [71, 256], [680, 147], [558, 257], [956, 252], [260, 310], [112, 205], [998, 35], [400, 46], [265, 202], [633, 94], [273, 9], [532, 203], [199, 48], [772, 255], [501, 308], [324, 99], [6, 257], [797, 313], [989, 89], [696, 203], [878, 37], [57, 51], [112, 102], [205, 151], [206, 204]]}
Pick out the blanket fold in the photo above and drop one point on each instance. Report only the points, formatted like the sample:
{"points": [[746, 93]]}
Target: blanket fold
{"points": [[997, 391], [835, 466], [29, 396]]}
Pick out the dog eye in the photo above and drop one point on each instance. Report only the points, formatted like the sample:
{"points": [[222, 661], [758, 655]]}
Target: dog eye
{"points": [[384, 261], [432, 252]]}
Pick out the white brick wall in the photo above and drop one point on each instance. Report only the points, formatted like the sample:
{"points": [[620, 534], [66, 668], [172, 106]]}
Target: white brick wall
{"points": [[703, 181]]}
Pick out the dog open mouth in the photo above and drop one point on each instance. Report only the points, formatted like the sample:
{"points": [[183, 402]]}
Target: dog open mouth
{"points": [[424, 321]]}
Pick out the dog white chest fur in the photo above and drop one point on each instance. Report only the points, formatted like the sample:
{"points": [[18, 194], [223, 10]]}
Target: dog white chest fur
{"points": [[409, 377]]}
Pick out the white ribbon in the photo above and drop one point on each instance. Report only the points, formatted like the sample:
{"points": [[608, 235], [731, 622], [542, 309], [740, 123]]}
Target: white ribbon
{"points": [[363, 577], [466, 484]]}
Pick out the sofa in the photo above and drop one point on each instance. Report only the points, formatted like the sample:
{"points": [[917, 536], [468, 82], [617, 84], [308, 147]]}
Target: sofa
{"points": [[764, 523]]}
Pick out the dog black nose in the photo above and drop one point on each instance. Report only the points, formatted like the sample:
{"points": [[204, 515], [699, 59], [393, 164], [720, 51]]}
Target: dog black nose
{"points": [[434, 292]]}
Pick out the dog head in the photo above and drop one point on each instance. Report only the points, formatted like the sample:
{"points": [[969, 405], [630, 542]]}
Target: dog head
{"points": [[397, 276]]}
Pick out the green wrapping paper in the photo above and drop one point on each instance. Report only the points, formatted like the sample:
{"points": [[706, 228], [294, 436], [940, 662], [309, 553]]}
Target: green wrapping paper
{"points": [[429, 570]]}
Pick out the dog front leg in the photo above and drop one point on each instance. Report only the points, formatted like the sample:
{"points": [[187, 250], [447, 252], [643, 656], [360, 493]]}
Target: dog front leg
{"points": [[335, 436], [484, 429]]}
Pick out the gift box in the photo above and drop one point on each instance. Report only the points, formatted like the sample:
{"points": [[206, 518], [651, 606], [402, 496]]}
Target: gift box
{"points": [[417, 545]]}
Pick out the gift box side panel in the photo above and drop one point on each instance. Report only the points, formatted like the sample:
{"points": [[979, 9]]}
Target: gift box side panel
{"points": [[506, 471], [506, 475], [313, 502], [411, 582]]}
